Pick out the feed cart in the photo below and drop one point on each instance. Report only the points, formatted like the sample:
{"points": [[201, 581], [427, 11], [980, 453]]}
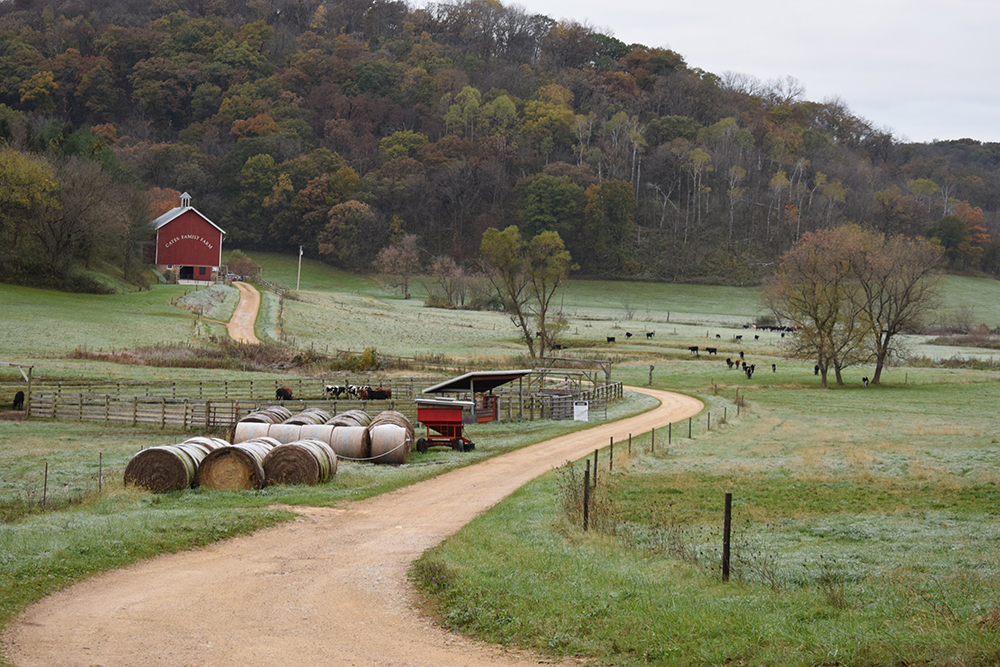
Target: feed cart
{"points": [[447, 415], [443, 415]]}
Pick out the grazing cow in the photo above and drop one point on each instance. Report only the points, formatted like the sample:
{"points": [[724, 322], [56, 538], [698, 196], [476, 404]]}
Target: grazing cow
{"points": [[816, 369], [729, 362], [334, 390], [740, 337], [756, 337], [694, 348], [353, 390], [718, 337], [741, 354], [712, 350], [649, 334], [774, 368], [864, 381], [557, 346], [283, 394], [628, 334], [611, 339], [379, 394], [749, 370], [19, 401]]}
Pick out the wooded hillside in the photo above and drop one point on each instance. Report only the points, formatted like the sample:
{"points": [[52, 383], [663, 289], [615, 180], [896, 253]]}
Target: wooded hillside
{"points": [[341, 125]]}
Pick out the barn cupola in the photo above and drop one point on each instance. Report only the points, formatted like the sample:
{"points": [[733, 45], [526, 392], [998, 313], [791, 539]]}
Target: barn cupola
{"points": [[185, 200]]}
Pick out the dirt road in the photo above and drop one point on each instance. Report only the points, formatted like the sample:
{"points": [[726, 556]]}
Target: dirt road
{"points": [[327, 589], [240, 326]]}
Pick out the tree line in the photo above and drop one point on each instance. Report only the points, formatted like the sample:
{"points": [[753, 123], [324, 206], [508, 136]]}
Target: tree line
{"points": [[341, 126]]}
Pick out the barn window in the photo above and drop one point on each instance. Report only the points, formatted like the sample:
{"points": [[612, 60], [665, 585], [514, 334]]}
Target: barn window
{"points": [[201, 270]]}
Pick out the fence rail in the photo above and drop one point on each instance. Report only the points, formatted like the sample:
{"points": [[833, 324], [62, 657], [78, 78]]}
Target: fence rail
{"points": [[172, 406]]}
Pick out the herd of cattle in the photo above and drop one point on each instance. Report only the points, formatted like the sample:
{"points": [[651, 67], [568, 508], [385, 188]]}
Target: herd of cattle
{"points": [[363, 392]]}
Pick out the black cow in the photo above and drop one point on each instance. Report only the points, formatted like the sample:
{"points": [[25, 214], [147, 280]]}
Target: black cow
{"points": [[729, 362], [741, 354], [718, 337], [774, 368], [694, 348], [816, 369], [611, 339], [740, 337], [19, 401], [628, 334], [649, 334], [712, 350], [379, 394], [864, 381], [283, 394]]}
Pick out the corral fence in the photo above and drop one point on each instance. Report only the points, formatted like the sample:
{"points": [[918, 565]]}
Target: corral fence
{"points": [[219, 404]]}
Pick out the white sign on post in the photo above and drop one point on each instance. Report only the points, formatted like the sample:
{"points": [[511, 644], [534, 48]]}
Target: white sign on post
{"points": [[580, 410]]}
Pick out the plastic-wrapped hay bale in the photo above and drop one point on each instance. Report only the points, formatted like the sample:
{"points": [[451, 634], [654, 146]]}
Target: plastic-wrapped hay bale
{"points": [[300, 462], [235, 467], [169, 467], [390, 444], [351, 442], [351, 418], [249, 430], [393, 417]]}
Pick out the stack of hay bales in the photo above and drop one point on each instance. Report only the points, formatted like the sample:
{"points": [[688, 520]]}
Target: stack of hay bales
{"points": [[170, 467]]}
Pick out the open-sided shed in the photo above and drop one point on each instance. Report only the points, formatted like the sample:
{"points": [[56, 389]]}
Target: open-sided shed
{"points": [[479, 385]]}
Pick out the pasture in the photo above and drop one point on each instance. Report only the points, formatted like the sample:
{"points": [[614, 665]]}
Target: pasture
{"points": [[865, 518]]}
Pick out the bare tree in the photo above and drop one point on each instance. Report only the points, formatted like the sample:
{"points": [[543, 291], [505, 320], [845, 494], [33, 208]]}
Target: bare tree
{"points": [[400, 259]]}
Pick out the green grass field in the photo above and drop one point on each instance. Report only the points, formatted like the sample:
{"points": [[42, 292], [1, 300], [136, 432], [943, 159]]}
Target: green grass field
{"points": [[865, 521]]}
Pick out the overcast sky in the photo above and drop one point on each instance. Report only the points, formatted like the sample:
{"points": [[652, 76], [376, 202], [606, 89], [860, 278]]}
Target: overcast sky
{"points": [[923, 69]]}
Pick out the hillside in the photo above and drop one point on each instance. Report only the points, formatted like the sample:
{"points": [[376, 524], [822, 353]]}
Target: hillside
{"points": [[340, 126]]}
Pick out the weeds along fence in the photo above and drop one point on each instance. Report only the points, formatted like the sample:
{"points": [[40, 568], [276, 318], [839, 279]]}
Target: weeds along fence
{"points": [[208, 405]]}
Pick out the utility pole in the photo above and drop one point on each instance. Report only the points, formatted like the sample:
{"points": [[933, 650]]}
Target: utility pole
{"points": [[298, 279]]}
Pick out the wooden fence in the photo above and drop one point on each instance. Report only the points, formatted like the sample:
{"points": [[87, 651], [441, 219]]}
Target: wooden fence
{"points": [[184, 406]]}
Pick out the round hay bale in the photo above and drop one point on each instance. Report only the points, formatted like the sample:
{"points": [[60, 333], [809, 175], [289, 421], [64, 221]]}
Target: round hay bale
{"points": [[393, 417], [351, 442], [249, 430], [309, 416], [274, 414], [351, 418], [169, 467], [301, 462], [285, 433], [236, 467], [389, 444]]}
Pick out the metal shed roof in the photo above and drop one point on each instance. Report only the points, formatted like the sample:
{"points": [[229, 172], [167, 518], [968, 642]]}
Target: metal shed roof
{"points": [[477, 381]]}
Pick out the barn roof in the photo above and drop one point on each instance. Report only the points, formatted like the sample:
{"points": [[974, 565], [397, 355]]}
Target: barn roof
{"points": [[477, 381], [176, 212]]}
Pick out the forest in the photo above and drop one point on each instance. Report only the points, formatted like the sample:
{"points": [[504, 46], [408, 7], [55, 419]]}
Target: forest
{"points": [[343, 125]]}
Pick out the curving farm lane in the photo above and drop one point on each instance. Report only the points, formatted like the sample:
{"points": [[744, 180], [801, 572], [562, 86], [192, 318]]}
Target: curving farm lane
{"points": [[329, 588], [240, 327]]}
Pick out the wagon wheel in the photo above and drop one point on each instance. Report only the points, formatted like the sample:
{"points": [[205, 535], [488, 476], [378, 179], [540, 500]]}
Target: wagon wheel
{"points": [[458, 445], [422, 445]]}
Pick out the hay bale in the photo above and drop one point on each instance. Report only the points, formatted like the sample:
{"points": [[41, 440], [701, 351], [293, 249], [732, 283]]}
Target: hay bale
{"points": [[274, 414], [309, 416], [393, 417], [350, 442], [169, 467], [235, 467], [301, 462], [250, 430], [351, 418], [389, 444]]}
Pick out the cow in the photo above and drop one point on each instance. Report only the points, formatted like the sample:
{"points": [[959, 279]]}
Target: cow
{"points": [[353, 390], [283, 394], [611, 339], [729, 362], [628, 334], [379, 394], [718, 337], [19, 401], [649, 334], [756, 337], [816, 369], [694, 348], [749, 370], [864, 381], [740, 337], [741, 354], [774, 368], [712, 350], [334, 390]]}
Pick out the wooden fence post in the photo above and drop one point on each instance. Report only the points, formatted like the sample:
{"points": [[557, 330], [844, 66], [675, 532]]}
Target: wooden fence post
{"points": [[586, 495], [726, 528]]}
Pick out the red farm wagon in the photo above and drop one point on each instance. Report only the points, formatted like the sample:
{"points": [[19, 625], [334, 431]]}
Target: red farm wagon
{"points": [[447, 416]]}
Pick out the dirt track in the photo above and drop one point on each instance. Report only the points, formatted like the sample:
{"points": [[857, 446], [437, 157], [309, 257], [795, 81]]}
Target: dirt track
{"points": [[327, 589], [240, 326]]}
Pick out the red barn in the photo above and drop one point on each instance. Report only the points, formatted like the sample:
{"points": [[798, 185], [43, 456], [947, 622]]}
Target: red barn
{"points": [[188, 245]]}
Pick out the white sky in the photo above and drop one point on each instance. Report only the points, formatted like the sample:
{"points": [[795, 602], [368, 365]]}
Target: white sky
{"points": [[923, 69]]}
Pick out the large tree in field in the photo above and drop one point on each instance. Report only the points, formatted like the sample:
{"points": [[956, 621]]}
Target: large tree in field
{"points": [[897, 280], [526, 276], [400, 259], [815, 290]]}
